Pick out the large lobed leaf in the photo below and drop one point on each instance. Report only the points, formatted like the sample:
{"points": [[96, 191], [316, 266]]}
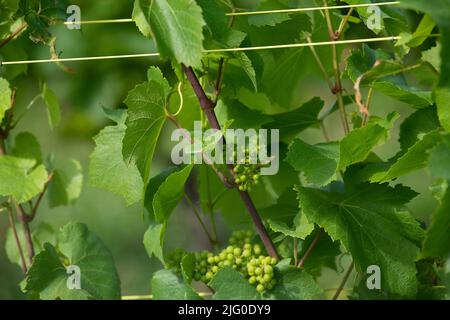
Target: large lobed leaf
{"points": [[176, 26], [79, 247], [371, 222], [144, 122]]}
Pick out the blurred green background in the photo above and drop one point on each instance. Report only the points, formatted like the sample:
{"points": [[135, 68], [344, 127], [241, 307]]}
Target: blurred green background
{"points": [[106, 83]]}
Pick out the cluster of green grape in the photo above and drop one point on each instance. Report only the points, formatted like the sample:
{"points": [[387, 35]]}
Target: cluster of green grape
{"points": [[240, 255], [173, 260], [260, 271], [247, 174]]}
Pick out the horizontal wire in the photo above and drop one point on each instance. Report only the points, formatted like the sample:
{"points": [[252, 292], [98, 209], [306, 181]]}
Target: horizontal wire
{"points": [[142, 55], [249, 13], [349, 6]]}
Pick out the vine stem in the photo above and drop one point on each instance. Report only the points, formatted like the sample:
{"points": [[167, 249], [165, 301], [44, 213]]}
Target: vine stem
{"points": [[207, 106], [12, 223], [337, 90], [344, 281], [199, 218], [34, 209], [26, 230], [310, 249], [13, 35]]}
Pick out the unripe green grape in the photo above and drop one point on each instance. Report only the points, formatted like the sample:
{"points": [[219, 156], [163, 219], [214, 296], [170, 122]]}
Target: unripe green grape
{"points": [[215, 269], [258, 271], [209, 275], [268, 269], [237, 251], [273, 261], [257, 249], [227, 263], [211, 260], [251, 270], [260, 288], [267, 278], [252, 280], [238, 261], [230, 257], [247, 253]]}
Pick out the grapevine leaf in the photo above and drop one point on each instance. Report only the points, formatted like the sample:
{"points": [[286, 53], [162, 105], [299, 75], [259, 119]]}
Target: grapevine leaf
{"points": [[65, 186], [99, 279], [358, 144], [42, 234], [439, 160], [5, 97], [437, 237], [107, 169], [416, 125], [27, 146], [168, 286], [177, 28], [144, 123], [170, 193], [371, 222], [153, 241], [318, 162], [293, 122], [295, 284], [141, 9], [323, 255], [53, 108], [154, 185], [442, 18], [414, 159], [21, 178], [228, 284], [301, 229], [411, 96], [155, 74]]}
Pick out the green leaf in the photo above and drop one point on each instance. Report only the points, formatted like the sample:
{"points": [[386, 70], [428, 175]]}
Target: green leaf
{"points": [[154, 184], [53, 108], [371, 222], [65, 186], [442, 18], [295, 284], [324, 254], [78, 247], [21, 178], [170, 193], [5, 97], [358, 144], [247, 66], [141, 9], [442, 97], [153, 241], [437, 238], [228, 284], [301, 229], [107, 168], [168, 286], [293, 122], [177, 29], [366, 14], [413, 97], [155, 74], [144, 123], [41, 234], [318, 162], [416, 126], [439, 160], [414, 159], [27, 146]]}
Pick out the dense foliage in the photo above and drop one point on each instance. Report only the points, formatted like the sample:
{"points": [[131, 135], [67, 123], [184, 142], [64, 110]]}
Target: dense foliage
{"points": [[334, 195]]}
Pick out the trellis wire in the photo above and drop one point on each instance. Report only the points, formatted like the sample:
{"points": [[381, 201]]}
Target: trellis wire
{"points": [[257, 48], [249, 13]]}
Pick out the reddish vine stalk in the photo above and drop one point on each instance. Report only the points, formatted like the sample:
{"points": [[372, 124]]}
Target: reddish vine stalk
{"points": [[207, 106]]}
